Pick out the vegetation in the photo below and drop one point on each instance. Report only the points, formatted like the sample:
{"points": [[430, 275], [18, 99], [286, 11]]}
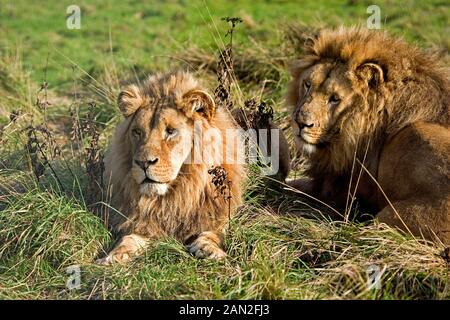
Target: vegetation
{"points": [[57, 112]]}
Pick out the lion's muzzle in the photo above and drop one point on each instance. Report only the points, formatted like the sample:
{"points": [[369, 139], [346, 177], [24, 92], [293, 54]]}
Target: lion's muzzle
{"points": [[149, 183]]}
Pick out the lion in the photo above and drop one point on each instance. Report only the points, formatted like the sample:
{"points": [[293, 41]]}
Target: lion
{"points": [[157, 186], [370, 114]]}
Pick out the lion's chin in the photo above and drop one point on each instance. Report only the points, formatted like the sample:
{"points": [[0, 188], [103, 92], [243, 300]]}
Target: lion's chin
{"points": [[309, 148], [151, 189], [305, 146]]}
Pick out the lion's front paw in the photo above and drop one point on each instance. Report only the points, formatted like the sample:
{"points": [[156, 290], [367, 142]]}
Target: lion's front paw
{"points": [[207, 246], [128, 247], [119, 255], [106, 261]]}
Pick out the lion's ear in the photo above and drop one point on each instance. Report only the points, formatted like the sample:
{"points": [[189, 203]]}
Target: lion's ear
{"points": [[199, 101], [371, 73], [129, 100], [308, 42]]}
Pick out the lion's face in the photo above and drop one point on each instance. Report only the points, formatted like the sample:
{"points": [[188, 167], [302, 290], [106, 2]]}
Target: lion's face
{"points": [[326, 95], [161, 140], [161, 128]]}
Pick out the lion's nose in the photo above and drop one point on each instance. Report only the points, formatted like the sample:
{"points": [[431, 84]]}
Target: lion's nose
{"points": [[303, 119], [147, 163], [304, 124]]}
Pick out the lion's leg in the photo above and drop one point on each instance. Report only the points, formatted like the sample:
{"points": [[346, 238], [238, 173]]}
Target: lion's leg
{"points": [[322, 191], [128, 247], [418, 217], [208, 244], [304, 185]]}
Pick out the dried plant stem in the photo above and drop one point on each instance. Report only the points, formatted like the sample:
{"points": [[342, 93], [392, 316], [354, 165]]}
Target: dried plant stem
{"points": [[94, 159], [34, 145], [223, 185]]}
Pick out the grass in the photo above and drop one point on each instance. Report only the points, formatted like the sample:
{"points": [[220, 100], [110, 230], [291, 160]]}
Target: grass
{"points": [[46, 226]]}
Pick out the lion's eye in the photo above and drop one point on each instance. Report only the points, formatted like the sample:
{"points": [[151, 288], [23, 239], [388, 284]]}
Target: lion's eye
{"points": [[307, 84], [170, 131], [334, 99], [136, 132]]}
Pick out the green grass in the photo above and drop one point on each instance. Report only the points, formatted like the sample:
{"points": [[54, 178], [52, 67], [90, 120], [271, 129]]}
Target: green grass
{"points": [[145, 35], [269, 258], [46, 228]]}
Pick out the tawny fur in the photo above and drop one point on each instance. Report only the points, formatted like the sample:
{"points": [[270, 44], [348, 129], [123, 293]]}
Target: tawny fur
{"points": [[192, 205], [395, 88]]}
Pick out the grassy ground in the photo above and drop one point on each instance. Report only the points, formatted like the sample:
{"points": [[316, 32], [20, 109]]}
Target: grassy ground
{"points": [[46, 226]]}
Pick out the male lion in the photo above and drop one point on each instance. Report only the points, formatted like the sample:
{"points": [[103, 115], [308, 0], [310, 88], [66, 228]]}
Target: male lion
{"points": [[157, 168], [367, 103]]}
